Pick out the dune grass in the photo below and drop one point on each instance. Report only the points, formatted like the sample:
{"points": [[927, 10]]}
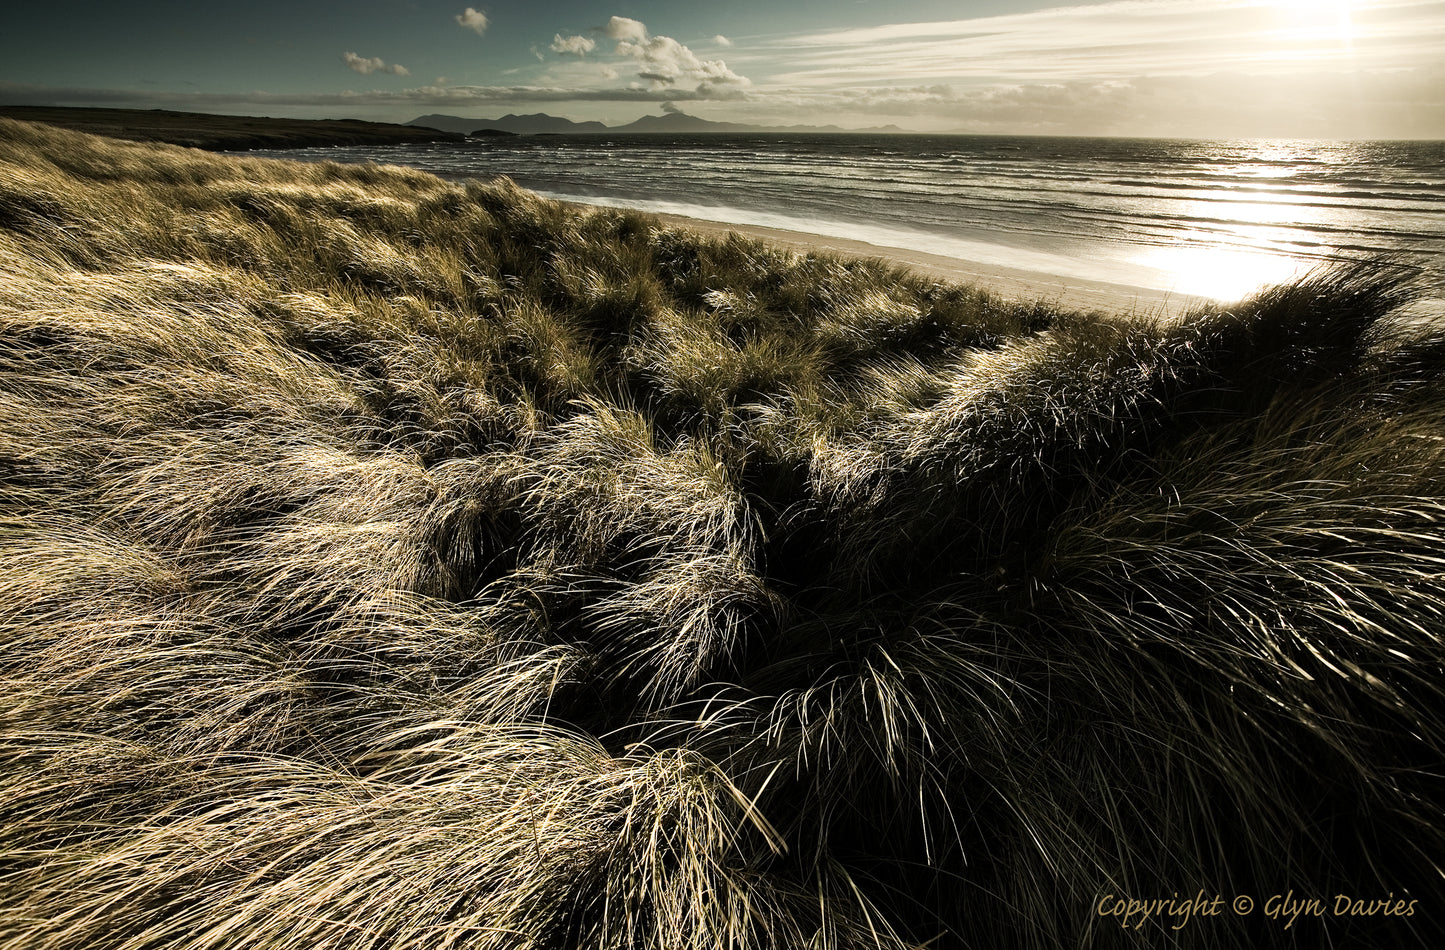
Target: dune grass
{"points": [[387, 562]]}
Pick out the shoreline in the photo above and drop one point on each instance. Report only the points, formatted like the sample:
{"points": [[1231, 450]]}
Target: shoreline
{"points": [[1078, 289], [232, 133], [1012, 282]]}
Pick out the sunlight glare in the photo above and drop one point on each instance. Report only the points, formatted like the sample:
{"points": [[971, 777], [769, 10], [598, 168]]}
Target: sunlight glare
{"points": [[1222, 273], [1318, 20]]}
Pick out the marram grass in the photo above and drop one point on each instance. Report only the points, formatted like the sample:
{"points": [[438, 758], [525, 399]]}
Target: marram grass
{"points": [[392, 563]]}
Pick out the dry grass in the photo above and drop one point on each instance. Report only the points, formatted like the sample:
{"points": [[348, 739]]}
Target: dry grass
{"points": [[393, 563]]}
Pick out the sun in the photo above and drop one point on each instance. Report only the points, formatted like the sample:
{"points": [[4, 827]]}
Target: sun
{"points": [[1316, 21]]}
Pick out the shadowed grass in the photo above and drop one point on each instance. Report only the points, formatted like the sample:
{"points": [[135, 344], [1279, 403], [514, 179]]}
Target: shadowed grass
{"points": [[393, 563]]}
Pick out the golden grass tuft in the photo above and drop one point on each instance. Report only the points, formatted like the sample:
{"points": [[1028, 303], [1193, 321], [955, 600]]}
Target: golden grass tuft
{"points": [[387, 562]]}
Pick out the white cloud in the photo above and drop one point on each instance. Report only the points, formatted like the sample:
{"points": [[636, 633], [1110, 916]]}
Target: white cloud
{"points": [[1405, 104], [1133, 67], [1123, 39], [474, 20], [390, 105], [1232, 104], [624, 28], [577, 45], [721, 40], [372, 64], [1185, 67], [664, 62]]}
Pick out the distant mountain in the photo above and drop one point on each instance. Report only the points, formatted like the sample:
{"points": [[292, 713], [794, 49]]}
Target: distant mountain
{"points": [[674, 122], [538, 123], [681, 122]]}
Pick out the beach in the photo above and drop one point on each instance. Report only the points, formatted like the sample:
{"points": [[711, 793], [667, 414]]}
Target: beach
{"points": [[1138, 226], [1133, 227], [1067, 292], [1016, 283], [232, 133]]}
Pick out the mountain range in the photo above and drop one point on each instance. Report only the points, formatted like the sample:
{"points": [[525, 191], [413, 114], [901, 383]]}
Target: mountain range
{"points": [[540, 123]]}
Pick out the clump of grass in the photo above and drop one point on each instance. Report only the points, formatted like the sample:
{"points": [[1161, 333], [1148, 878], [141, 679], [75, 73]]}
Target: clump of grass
{"points": [[393, 563]]}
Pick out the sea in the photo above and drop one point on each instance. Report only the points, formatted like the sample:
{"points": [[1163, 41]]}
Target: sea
{"points": [[1217, 218]]}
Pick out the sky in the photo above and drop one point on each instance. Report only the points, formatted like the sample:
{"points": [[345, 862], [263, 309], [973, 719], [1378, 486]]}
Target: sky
{"points": [[1194, 68]]}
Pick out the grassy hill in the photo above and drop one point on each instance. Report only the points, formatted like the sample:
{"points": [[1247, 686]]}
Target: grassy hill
{"points": [[224, 132], [388, 562]]}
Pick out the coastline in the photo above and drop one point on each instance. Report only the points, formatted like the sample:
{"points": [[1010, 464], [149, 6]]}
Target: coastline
{"points": [[1016, 283], [1078, 290], [1012, 282], [224, 133]]}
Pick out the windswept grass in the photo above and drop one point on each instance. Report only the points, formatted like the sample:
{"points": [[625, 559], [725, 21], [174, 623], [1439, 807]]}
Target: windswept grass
{"points": [[393, 563]]}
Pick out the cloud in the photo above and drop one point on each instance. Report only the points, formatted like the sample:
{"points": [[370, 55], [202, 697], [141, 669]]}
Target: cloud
{"points": [[623, 28], [325, 104], [1240, 104], [663, 60], [1122, 39], [1406, 104], [577, 45], [1178, 67], [1162, 67], [670, 108], [374, 64], [474, 20], [665, 63], [721, 40]]}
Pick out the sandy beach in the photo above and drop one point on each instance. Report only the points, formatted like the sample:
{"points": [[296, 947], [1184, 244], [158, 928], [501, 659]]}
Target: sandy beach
{"points": [[1011, 282]]}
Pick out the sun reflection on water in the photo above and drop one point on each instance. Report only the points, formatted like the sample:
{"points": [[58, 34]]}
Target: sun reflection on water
{"points": [[1253, 236]]}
